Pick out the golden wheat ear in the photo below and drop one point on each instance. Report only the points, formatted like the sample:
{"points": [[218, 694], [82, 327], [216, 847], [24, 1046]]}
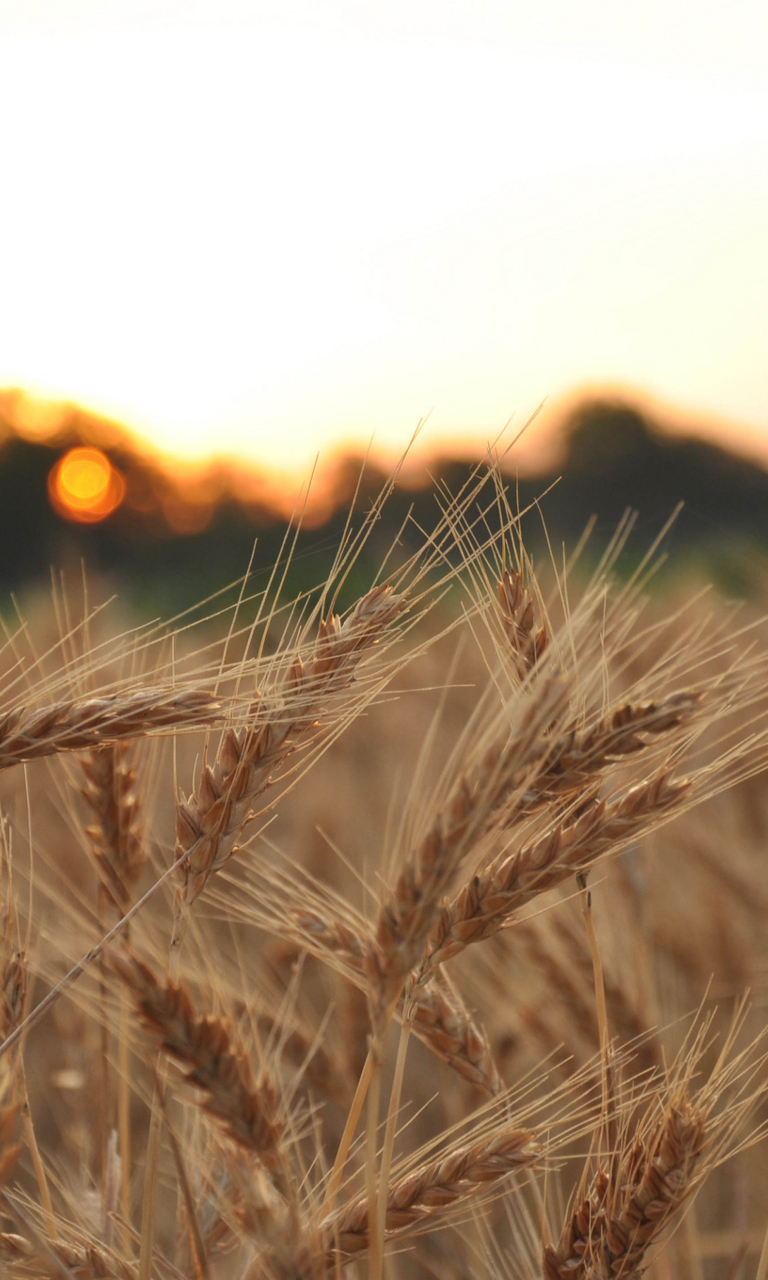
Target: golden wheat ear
{"points": [[212, 819], [526, 637], [112, 793], [492, 898], [487, 783], [206, 1048], [29, 733], [433, 1189], [669, 1141]]}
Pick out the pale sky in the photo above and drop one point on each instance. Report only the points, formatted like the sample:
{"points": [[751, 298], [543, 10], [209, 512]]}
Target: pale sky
{"points": [[263, 229]]}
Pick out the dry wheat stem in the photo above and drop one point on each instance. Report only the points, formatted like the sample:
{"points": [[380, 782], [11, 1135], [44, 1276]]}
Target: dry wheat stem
{"points": [[495, 895], [210, 821], [624, 1018], [27, 733], [570, 982]]}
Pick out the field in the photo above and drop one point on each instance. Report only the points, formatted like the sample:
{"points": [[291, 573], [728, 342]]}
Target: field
{"points": [[424, 939]]}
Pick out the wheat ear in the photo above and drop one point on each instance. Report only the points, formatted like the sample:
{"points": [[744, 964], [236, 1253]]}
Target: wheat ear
{"points": [[210, 821], [27, 733], [480, 799], [117, 841], [495, 895], [211, 1058], [433, 1189], [574, 759], [625, 1211], [526, 640], [449, 1030], [111, 793]]}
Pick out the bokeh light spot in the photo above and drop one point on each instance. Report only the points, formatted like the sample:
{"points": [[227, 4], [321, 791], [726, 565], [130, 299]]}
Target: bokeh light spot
{"points": [[84, 486]]}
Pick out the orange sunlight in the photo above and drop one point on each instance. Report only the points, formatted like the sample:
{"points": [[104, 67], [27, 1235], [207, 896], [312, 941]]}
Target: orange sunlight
{"points": [[84, 486]]}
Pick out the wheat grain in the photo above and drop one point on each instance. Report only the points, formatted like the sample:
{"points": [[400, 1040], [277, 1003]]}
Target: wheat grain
{"points": [[574, 759], [448, 1029], [527, 641]]}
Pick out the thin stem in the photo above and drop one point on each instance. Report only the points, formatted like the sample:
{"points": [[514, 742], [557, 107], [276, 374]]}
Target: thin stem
{"points": [[392, 1114], [151, 1169], [375, 1236], [602, 1009], [42, 1008], [39, 1168], [124, 1111], [337, 1172]]}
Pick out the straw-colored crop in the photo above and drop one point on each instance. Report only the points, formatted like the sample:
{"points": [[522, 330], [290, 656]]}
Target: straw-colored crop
{"points": [[451, 867]]}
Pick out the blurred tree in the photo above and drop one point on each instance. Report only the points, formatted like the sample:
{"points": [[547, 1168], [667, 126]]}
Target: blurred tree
{"points": [[170, 546]]}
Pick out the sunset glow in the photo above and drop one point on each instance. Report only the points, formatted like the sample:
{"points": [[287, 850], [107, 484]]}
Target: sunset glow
{"points": [[260, 237], [84, 486]]}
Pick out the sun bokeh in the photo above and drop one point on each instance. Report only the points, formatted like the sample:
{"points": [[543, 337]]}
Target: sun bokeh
{"points": [[84, 486]]}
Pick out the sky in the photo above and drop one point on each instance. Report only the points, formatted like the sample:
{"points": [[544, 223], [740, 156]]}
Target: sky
{"points": [[264, 230]]}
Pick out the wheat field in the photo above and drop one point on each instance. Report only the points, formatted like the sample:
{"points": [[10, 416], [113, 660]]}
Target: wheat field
{"points": [[423, 937]]}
